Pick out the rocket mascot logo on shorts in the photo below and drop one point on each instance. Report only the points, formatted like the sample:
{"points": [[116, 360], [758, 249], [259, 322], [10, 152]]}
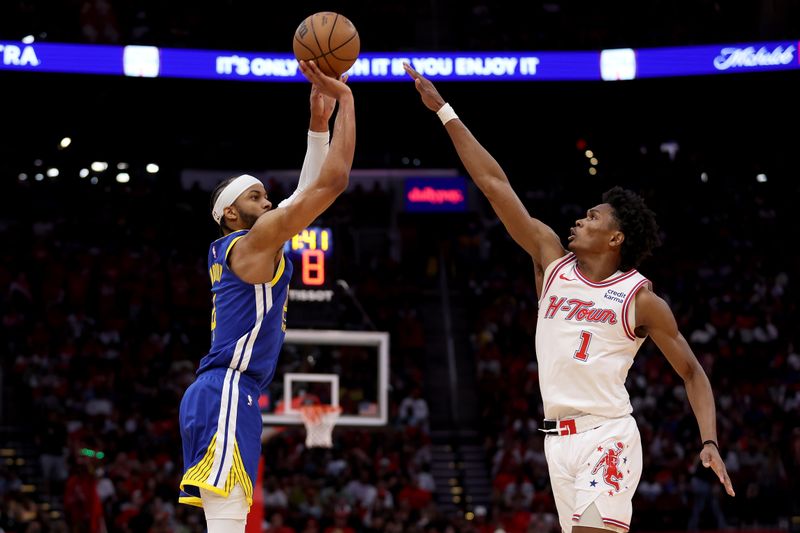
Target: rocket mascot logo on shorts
{"points": [[609, 462]]}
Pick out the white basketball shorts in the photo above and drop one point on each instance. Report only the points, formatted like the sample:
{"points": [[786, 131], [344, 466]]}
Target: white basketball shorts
{"points": [[601, 466]]}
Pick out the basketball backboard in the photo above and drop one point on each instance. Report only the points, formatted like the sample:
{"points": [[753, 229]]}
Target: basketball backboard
{"points": [[345, 368]]}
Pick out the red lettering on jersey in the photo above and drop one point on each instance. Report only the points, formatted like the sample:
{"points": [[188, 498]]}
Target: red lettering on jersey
{"points": [[580, 310], [555, 303]]}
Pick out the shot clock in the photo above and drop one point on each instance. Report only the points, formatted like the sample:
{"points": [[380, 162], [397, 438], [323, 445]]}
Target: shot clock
{"points": [[312, 289], [310, 250]]}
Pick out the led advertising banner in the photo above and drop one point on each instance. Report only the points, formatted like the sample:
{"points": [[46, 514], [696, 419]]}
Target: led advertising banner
{"points": [[717, 59], [427, 195], [616, 64]]}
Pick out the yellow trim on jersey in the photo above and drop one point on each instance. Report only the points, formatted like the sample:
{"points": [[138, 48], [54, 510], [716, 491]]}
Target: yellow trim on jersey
{"points": [[229, 234], [230, 245], [279, 272], [191, 500], [197, 476]]}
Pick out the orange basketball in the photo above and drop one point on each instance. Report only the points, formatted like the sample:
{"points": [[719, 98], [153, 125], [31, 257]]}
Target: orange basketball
{"points": [[330, 39]]}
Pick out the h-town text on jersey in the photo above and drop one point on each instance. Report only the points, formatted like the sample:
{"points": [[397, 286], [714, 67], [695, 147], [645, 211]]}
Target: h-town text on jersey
{"points": [[580, 310]]}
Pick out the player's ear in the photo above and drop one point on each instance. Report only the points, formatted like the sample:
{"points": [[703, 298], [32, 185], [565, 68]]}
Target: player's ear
{"points": [[617, 238], [230, 213]]}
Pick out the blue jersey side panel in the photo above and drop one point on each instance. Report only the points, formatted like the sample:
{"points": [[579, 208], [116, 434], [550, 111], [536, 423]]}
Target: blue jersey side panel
{"points": [[248, 322]]}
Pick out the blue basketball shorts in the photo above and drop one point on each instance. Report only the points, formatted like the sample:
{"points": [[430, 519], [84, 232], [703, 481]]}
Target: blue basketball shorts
{"points": [[221, 432]]}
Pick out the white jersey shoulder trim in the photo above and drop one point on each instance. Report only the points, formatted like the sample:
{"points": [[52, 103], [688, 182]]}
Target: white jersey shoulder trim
{"points": [[628, 317]]}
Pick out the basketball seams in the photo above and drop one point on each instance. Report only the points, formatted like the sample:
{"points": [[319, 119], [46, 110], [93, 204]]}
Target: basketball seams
{"points": [[330, 33], [316, 39], [325, 57], [314, 33], [352, 36], [355, 34], [304, 45]]}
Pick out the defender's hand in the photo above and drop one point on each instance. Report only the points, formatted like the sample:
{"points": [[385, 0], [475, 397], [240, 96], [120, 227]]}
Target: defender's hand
{"points": [[710, 458], [326, 85], [430, 96]]}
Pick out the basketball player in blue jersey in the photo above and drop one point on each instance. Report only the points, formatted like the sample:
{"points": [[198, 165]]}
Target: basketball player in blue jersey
{"points": [[219, 415], [595, 311]]}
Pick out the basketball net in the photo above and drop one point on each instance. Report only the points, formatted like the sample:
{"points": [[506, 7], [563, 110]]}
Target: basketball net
{"points": [[319, 421]]}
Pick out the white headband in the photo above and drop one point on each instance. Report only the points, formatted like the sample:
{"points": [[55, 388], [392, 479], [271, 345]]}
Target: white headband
{"points": [[231, 192]]}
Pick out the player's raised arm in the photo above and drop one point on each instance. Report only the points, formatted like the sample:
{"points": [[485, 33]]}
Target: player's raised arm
{"points": [[535, 237], [655, 317], [275, 227], [322, 107]]}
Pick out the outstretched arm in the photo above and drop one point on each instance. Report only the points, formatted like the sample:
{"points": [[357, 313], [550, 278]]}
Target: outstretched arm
{"points": [[282, 224], [261, 246], [654, 315], [322, 108], [535, 237]]}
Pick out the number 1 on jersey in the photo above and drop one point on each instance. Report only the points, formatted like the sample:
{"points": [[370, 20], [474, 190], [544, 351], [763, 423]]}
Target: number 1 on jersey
{"points": [[583, 352]]}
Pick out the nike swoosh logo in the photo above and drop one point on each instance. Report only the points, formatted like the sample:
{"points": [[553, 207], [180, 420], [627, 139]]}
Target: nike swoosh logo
{"points": [[562, 276]]}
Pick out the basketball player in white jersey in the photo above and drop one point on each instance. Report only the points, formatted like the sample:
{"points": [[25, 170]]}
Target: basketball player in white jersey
{"points": [[595, 310]]}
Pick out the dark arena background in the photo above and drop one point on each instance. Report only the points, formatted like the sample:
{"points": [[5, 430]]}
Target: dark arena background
{"points": [[105, 227]]}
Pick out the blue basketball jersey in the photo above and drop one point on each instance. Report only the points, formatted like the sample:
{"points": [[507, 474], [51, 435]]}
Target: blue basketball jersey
{"points": [[219, 416], [248, 322]]}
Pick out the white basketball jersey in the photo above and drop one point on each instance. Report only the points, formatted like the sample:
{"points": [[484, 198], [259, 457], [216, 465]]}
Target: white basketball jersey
{"points": [[585, 342]]}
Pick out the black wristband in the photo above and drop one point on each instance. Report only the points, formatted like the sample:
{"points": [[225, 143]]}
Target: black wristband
{"points": [[711, 442]]}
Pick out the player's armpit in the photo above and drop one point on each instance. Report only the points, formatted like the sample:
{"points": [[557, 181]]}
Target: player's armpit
{"points": [[538, 273]]}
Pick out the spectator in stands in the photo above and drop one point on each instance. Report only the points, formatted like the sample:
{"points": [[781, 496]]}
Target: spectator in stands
{"points": [[82, 504], [519, 491], [276, 525], [274, 496], [414, 410], [705, 492]]}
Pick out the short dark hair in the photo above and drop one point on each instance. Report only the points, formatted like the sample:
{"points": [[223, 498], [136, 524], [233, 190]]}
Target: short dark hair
{"points": [[637, 222], [214, 195]]}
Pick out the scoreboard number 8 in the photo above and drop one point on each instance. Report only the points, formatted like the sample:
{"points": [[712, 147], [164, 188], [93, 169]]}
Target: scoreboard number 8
{"points": [[313, 267]]}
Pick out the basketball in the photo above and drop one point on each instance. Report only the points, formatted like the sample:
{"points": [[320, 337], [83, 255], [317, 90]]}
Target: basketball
{"points": [[330, 39]]}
